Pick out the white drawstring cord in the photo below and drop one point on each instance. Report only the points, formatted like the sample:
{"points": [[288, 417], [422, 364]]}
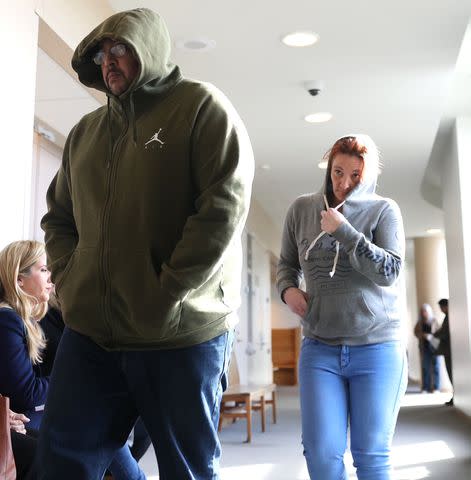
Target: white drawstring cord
{"points": [[337, 250], [306, 255], [337, 245]]}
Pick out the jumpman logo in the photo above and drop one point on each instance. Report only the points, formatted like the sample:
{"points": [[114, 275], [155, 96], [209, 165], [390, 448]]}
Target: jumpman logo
{"points": [[155, 138]]}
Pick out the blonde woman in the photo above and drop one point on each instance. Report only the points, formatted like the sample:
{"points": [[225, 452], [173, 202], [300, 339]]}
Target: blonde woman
{"points": [[25, 286]]}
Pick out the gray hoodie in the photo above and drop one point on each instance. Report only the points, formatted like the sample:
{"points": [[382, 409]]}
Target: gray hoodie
{"points": [[358, 304]]}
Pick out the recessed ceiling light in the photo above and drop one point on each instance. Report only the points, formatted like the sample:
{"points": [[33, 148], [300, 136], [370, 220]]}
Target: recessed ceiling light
{"points": [[300, 39], [265, 166], [323, 165], [199, 44], [319, 117], [433, 231]]}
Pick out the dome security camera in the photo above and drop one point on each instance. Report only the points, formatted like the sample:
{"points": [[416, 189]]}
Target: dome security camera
{"points": [[314, 87]]}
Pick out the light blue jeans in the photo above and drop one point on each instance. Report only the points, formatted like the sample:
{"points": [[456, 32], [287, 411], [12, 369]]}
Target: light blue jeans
{"points": [[361, 385]]}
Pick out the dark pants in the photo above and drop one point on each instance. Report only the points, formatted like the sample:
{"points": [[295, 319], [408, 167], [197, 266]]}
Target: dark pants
{"points": [[448, 365], [95, 397], [24, 451], [430, 370], [141, 440]]}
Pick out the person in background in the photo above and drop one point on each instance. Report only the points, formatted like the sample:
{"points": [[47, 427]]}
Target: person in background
{"points": [[444, 347], [25, 286], [348, 243], [25, 289], [427, 325], [143, 234]]}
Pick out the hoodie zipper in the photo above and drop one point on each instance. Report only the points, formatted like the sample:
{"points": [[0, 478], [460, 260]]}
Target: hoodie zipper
{"points": [[111, 169]]}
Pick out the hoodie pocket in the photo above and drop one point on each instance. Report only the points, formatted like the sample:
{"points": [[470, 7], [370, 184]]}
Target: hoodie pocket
{"points": [[206, 304], [340, 315], [61, 277], [78, 289], [141, 307]]}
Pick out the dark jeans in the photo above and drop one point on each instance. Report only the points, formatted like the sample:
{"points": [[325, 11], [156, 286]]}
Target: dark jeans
{"points": [[141, 440], [95, 397], [430, 370]]}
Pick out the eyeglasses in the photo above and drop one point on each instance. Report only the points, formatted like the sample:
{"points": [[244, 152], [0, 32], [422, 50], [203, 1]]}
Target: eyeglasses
{"points": [[115, 51]]}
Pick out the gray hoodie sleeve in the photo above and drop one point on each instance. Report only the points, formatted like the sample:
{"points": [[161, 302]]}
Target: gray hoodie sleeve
{"points": [[289, 271], [379, 260]]}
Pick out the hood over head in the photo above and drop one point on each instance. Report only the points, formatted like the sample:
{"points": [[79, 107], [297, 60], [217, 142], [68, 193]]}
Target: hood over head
{"points": [[363, 147], [144, 31]]}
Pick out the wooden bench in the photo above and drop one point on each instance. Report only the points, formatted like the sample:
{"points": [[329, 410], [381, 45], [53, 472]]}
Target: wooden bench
{"points": [[238, 401]]}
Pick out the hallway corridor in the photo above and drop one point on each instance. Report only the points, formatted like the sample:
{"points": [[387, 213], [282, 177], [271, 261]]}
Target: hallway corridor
{"points": [[432, 442]]}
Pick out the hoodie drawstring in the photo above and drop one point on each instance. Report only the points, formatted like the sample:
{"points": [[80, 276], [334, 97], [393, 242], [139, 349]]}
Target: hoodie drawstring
{"points": [[110, 143], [132, 118], [337, 243], [336, 258]]}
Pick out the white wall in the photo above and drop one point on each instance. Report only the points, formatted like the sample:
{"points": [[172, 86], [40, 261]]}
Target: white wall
{"points": [[260, 366], [262, 227], [413, 354], [253, 333], [73, 19], [18, 47], [456, 194], [46, 162]]}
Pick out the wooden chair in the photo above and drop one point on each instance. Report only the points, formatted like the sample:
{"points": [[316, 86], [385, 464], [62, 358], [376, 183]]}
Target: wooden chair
{"points": [[256, 405], [238, 401], [286, 345]]}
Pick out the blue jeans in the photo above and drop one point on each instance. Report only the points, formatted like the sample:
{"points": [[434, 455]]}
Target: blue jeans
{"points": [[430, 366], [124, 466], [360, 385], [95, 397]]}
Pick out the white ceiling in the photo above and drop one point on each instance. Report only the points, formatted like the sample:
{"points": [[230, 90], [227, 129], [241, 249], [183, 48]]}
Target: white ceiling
{"points": [[387, 68]]}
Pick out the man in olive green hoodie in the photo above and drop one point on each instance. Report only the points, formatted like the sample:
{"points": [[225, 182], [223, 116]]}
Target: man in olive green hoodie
{"points": [[143, 240]]}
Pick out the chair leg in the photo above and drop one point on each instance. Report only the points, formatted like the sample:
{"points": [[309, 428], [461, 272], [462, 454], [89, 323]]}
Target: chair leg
{"points": [[262, 410], [273, 406], [220, 419], [248, 406]]}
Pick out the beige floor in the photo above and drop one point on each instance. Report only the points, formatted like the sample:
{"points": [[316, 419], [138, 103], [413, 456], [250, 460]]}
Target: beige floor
{"points": [[431, 442]]}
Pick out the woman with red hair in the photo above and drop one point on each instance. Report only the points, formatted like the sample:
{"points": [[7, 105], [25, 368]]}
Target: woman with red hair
{"points": [[348, 244]]}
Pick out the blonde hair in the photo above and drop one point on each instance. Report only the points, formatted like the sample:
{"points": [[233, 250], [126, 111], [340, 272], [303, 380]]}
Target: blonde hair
{"points": [[428, 312], [16, 259]]}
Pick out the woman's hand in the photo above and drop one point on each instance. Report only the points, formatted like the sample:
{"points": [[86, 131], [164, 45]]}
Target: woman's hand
{"points": [[331, 220], [296, 300], [17, 422]]}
